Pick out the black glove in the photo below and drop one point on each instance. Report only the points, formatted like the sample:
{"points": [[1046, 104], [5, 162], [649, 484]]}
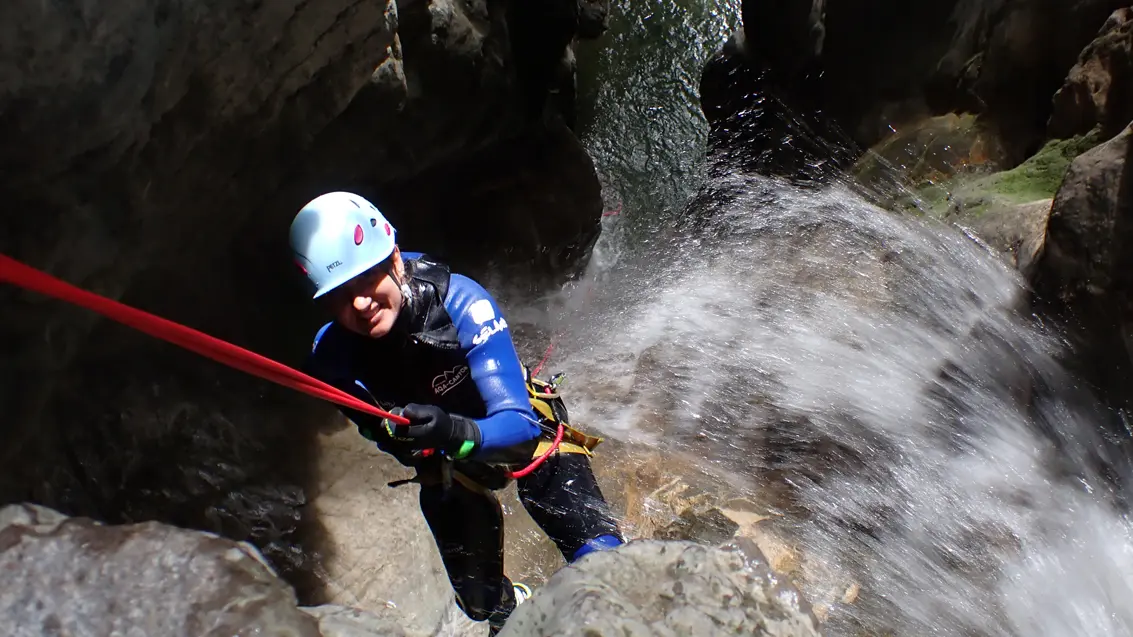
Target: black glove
{"points": [[375, 432], [431, 427]]}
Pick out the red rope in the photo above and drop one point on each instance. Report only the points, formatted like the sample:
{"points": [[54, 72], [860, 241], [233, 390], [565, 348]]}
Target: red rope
{"points": [[535, 372], [546, 356], [555, 338], [541, 459], [27, 277], [16, 273]]}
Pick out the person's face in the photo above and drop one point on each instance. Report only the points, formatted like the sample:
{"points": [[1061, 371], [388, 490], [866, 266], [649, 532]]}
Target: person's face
{"points": [[369, 303]]}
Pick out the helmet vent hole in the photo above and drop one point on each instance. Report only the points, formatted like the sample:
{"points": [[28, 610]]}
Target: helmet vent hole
{"points": [[373, 223]]}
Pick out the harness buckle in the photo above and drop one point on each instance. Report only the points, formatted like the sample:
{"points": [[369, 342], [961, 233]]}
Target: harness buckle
{"points": [[557, 380]]}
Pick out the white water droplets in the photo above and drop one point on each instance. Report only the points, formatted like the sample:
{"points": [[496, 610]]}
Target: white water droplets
{"points": [[878, 366]]}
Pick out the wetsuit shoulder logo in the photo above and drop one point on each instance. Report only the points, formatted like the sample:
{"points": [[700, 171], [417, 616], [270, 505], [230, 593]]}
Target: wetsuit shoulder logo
{"points": [[487, 331], [443, 383], [481, 311]]}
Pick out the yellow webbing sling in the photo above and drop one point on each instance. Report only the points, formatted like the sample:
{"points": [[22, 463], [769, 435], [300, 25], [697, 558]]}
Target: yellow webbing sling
{"points": [[549, 406]]}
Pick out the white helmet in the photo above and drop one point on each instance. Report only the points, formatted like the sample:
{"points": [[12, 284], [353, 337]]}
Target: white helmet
{"points": [[338, 236]]}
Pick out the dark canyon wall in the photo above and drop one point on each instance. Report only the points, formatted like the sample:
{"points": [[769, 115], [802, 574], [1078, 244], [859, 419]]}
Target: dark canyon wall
{"points": [[877, 66], [155, 151]]}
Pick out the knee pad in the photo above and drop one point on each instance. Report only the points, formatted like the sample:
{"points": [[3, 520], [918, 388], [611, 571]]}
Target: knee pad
{"points": [[600, 543]]}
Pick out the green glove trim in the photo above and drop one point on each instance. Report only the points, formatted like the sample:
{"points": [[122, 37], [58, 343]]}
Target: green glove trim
{"points": [[466, 448]]}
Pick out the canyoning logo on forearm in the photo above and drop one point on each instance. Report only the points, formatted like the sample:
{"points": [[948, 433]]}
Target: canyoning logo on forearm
{"points": [[443, 383]]}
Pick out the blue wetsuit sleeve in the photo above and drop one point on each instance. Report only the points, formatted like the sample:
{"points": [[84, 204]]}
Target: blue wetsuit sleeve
{"points": [[327, 362], [494, 365]]}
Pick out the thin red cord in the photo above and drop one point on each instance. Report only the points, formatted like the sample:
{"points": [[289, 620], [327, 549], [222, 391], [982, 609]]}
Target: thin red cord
{"points": [[541, 459]]}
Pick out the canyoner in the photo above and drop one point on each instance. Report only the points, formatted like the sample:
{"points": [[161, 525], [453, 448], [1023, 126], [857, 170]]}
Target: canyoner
{"points": [[420, 359], [433, 348]]}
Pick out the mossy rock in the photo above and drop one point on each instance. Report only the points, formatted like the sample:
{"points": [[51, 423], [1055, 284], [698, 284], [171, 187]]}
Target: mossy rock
{"points": [[972, 196], [1008, 209], [1040, 176]]}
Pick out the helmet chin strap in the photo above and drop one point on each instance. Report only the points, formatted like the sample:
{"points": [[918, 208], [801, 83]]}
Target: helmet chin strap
{"points": [[403, 285], [403, 320]]}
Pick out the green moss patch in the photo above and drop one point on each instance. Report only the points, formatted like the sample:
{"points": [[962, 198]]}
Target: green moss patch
{"points": [[972, 195], [1040, 176]]}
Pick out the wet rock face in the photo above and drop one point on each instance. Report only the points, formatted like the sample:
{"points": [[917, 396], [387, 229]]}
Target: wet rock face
{"points": [[768, 121], [141, 81], [343, 621], [786, 35], [1011, 56], [1090, 226], [1083, 273], [176, 125], [873, 66], [76, 577], [651, 587], [512, 204], [155, 152], [1017, 231], [379, 555], [1099, 89], [593, 17]]}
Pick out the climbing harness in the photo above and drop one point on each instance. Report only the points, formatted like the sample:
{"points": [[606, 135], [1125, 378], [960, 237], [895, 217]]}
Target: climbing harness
{"points": [[544, 398], [548, 404], [558, 437]]}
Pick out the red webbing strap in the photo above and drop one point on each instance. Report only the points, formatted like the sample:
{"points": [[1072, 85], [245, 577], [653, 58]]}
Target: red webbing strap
{"points": [[16, 273]]}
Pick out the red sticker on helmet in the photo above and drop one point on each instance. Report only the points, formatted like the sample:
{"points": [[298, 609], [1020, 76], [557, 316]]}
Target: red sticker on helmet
{"points": [[300, 266], [358, 236], [387, 230]]}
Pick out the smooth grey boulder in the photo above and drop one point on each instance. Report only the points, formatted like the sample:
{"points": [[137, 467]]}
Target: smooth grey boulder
{"points": [[666, 588], [76, 577]]}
